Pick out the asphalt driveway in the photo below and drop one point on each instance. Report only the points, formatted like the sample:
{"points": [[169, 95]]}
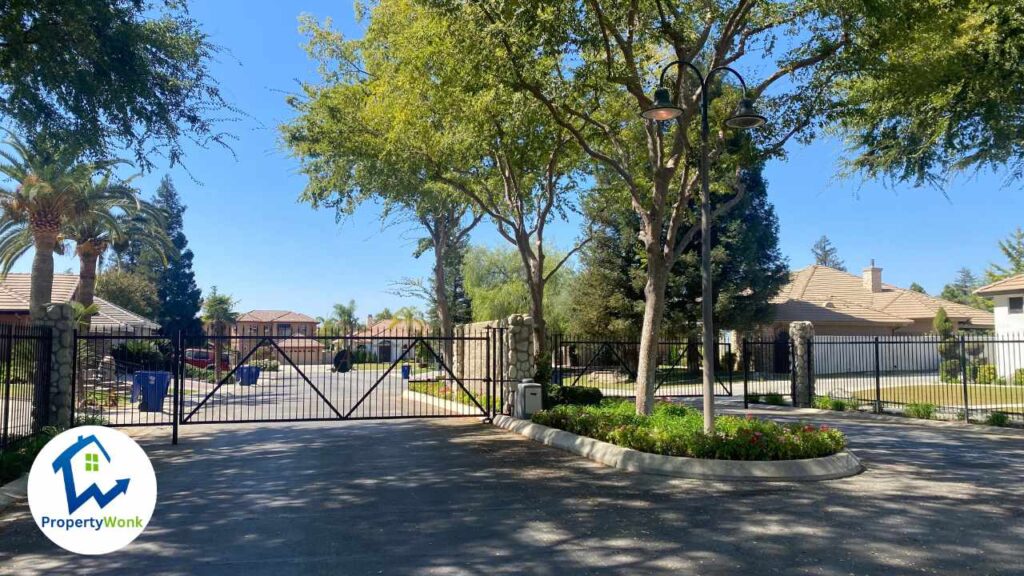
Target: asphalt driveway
{"points": [[458, 497]]}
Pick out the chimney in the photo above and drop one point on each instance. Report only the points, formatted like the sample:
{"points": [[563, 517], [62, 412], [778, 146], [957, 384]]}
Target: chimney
{"points": [[873, 278], [369, 320]]}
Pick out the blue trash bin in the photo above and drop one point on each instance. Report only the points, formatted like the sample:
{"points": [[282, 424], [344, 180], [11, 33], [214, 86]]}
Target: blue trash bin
{"points": [[150, 388], [247, 375], [406, 371]]}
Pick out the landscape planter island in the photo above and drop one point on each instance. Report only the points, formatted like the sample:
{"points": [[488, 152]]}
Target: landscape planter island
{"points": [[839, 465]]}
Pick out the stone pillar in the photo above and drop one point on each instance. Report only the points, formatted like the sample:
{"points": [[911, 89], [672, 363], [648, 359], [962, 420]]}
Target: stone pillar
{"points": [[800, 335], [60, 318], [520, 363]]}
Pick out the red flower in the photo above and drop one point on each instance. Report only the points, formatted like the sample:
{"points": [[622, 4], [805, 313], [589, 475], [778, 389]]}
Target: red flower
{"points": [[750, 416], [823, 427]]}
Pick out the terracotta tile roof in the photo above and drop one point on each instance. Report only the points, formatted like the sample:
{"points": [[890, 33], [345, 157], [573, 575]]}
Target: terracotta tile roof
{"points": [[111, 316], [1005, 286], [299, 343], [394, 328], [16, 288], [274, 316], [832, 295]]}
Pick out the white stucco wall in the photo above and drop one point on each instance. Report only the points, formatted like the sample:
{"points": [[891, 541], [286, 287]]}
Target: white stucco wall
{"points": [[1007, 323]]}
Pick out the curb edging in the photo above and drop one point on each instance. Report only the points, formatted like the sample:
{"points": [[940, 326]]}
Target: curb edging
{"points": [[14, 492], [839, 465], [450, 405]]}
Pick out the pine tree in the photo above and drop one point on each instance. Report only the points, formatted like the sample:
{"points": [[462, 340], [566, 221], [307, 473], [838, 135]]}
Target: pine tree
{"points": [[961, 290], [180, 297], [1013, 249], [915, 287], [825, 254]]}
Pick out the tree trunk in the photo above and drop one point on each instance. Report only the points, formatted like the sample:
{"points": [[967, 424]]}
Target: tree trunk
{"points": [[540, 344], [88, 260], [444, 316], [42, 272], [654, 308], [218, 344]]}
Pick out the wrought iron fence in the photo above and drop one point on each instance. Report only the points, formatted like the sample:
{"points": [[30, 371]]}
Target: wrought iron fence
{"points": [[611, 366], [25, 366], [968, 377]]}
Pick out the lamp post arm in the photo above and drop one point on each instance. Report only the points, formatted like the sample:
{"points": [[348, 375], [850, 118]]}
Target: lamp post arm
{"points": [[743, 83]]}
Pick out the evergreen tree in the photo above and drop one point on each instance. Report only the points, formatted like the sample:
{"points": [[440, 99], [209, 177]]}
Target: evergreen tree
{"points": [[915, 287], [825, 254], [748, 270], [1013, 249], [180, 297], [961, 290]]}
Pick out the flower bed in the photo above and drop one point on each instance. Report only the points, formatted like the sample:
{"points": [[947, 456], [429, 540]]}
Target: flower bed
{"points": [[439, 389], [674, 430]]}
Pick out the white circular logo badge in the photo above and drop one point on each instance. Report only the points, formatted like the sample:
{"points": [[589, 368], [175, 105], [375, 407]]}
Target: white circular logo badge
{"points": [[92, 490]]}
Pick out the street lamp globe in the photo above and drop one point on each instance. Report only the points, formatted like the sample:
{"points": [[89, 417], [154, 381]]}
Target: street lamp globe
{"points": [[663, 108], [745, 117]]}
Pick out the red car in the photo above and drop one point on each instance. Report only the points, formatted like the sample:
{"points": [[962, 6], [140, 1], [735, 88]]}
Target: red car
{"points": [[203, 358]]}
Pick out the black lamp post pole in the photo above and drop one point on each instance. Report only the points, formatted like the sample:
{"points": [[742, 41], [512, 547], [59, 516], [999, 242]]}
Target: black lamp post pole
{"points": [[707, 304]]}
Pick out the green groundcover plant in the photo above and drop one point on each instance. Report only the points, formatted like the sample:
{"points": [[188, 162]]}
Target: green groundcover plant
{"points": [[675, 430]]}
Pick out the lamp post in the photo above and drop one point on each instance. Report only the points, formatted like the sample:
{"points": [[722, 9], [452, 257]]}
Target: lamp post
{"points": [[744, 118]]}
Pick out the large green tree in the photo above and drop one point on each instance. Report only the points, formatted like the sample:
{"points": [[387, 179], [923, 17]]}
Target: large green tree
{"points": [[933, 87], [47, 185], [826, 254], [106, 75], [748, 270], [340, 136], [961, 290], [1013, 250], [129, 290], [426, 120]]}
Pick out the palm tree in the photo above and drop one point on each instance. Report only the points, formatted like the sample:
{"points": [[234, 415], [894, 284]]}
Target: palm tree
{"points": [[113, 212], [345, 316], [48, 181], [219, 312]]}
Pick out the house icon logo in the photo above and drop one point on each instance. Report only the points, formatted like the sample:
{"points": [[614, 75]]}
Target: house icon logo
{"points": [[92, 490], [63, 465]]}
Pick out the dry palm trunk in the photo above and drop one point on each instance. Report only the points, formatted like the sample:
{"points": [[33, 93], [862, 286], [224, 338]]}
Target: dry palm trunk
{"points": [[44, 235]]}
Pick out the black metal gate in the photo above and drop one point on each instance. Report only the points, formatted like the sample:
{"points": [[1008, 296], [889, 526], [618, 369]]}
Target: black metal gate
{"points": [[611, 366], [126, 379]]}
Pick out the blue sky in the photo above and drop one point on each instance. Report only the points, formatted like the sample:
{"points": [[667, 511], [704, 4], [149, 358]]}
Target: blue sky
{"points": [[252, 239]]}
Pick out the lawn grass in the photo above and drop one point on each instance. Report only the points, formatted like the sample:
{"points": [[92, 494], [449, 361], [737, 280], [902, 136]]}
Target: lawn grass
{"points": [[947, 394], [452, 392]]}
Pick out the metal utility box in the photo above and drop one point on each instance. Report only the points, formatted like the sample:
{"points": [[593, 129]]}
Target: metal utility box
{"points": [[528, 399]]}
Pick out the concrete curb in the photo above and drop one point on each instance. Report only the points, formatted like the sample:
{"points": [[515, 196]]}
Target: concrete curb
{"points": [[449, 405], [863, 416], [832, 467], [14, 492]]}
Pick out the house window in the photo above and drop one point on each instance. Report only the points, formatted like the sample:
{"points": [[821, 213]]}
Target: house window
{"points": [[1017, 305], [284, 330]]}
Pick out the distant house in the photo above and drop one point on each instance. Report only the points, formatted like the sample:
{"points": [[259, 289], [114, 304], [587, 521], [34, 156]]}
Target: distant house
{"points": [[1008, 297], [292, 332], [15, 295], [385, 340], [842, 304]]}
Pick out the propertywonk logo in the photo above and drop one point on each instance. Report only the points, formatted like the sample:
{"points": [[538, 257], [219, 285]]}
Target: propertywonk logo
{"points": [[92, 490]]}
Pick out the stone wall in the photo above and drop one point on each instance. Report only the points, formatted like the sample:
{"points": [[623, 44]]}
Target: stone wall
{"points": [[470, 357], [60, 319]]}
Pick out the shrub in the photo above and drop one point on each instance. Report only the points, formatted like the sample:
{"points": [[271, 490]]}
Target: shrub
{"points": [[998, 419], [266, 365], [984, 373], [142, 352], [950, 371], [578, 395], [17, 458], [920, 410], [675, 430], [754, 398], [1018, 377], [837, 404], [204, 374], [775, 399]]}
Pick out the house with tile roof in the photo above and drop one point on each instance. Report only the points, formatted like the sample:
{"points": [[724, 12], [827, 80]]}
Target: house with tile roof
{"points": [[842, 304], [14, 305], [386, 339], [1008, 299], [293, 335]]}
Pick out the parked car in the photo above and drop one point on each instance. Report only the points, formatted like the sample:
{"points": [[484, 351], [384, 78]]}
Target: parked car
{"points": [[203, 358]]}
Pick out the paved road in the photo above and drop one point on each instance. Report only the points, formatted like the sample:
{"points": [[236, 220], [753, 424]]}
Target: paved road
{"points": [[458, 497]]}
